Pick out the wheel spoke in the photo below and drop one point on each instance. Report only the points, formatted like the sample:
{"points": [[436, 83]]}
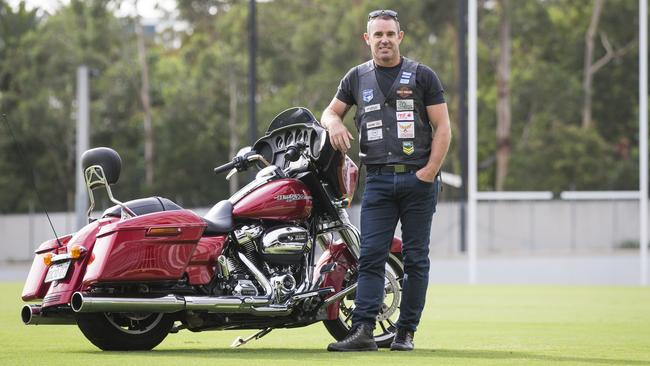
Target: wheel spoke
{"points": [[383, 327], [392, 325], [347, 318]]}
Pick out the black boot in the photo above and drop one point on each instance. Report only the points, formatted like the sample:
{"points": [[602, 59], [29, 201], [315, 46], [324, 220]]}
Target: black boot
{"points": [[358, 339], [403, 340]]}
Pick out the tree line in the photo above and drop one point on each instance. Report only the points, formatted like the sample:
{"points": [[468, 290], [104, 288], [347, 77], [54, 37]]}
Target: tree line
{"points": [[557, 91]]}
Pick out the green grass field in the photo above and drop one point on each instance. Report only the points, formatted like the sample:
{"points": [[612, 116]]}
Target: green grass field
{"points": [[477, 325]]}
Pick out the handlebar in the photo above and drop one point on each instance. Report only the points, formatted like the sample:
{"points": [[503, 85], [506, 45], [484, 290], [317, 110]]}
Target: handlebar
{"points": [[225, 167], [241, 162]]}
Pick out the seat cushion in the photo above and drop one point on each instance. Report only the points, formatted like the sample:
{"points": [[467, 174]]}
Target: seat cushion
{"points": [[219, 219]]}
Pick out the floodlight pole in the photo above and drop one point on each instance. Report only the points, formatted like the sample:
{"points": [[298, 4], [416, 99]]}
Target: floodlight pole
{"points": [[643, 139], [472, 34], [81, 199], [252, 72]]}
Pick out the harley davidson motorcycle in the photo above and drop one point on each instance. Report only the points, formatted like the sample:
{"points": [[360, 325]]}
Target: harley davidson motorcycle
{"points": [[280, 253]]}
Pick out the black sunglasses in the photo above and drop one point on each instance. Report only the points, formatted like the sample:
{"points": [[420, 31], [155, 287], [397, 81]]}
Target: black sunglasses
{"points": [[377, 13]]}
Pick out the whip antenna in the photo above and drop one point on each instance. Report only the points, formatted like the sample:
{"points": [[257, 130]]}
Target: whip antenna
{"points": [[26, 164]]}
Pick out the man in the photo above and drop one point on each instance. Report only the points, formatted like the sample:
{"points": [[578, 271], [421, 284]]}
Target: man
{"points": [[404, 135]]}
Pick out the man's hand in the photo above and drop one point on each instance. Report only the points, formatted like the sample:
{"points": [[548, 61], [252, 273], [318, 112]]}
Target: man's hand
{"points": [[425, 175], [339, 136], [332, 119]]}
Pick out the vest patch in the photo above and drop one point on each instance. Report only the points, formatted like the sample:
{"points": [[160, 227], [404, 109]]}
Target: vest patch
{"points": [[404, 104], [408, 148], [368, 95], [372, 107], [403, 81], [404, 92], [404, 115], [373, 124], [375, 134], [406, 130]]}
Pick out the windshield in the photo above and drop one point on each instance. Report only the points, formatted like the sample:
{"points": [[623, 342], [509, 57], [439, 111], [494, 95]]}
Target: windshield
{"points": [[292, 116]]}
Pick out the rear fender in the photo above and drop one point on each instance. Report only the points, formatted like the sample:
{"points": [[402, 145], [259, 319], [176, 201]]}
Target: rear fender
{"points": [[60, 292], [34, 287]]}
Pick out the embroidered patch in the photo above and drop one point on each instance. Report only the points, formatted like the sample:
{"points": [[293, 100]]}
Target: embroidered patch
{"points": [[372, 107], [373, 124], [404, 92], [404, 104], [406, 74], [406, 130], [367, 95], [375, 134], [408, 148], [404, 115], [403, 81]]}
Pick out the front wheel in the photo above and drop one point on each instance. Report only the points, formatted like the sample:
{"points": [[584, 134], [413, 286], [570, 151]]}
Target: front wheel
{"points": [[125, 331], [385, 328]]}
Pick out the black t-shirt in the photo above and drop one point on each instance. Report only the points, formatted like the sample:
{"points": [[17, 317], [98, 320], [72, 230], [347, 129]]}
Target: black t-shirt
{"points": [[425, 79]]}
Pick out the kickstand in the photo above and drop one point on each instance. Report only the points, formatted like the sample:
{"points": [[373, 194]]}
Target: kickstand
{"points": [[239, 341]]}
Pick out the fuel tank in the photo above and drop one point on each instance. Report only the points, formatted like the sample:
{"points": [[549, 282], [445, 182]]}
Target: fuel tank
{"points": [[282, 200]]}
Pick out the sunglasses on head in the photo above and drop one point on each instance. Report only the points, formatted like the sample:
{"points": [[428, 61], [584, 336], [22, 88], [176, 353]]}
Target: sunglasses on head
{"points": [[386, 12]]}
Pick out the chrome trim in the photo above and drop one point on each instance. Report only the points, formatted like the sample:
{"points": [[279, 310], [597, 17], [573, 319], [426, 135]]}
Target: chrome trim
{"points": [[250, 187], [276, 241], [223, 265], [33, 315], [259, 276], [83, 303], [94, 178], [339, 295]]}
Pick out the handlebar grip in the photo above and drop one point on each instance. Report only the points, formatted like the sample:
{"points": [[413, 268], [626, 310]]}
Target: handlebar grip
{"points": [[225, 167]]}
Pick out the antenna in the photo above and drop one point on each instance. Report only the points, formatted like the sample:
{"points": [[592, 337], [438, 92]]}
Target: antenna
{"points": [[26, 164]]}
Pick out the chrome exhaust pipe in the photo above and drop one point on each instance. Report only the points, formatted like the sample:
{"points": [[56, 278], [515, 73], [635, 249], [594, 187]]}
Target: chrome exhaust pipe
{"points": [[32, 315], [83, 303]]}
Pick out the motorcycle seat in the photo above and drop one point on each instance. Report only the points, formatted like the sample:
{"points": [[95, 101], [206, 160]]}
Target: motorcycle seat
{"points": [[144, 206], [219, 219]]}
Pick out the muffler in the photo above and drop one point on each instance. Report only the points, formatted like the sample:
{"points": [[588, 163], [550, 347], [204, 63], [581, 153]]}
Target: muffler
{"points": [[84, 303], [32, 315]]}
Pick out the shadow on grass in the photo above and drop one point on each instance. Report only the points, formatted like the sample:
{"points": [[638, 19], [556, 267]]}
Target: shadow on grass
{"points": [[291, 354]]}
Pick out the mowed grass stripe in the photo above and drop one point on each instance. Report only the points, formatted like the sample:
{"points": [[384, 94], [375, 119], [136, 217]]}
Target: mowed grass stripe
{"points": [[478, 325]]}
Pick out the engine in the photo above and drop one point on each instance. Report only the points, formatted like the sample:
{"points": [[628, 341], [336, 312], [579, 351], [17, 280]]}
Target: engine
{"points": [[277, 252]]}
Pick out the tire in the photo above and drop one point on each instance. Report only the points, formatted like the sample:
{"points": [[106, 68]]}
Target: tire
{"points": [[125, 332], [385, 329]]}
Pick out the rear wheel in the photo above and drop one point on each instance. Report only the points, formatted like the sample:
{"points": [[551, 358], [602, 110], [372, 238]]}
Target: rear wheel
{"points": [[125, 331], [385, 328]]}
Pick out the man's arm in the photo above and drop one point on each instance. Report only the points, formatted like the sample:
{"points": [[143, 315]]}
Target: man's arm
{"points": [[332, 120], [439, 117]]}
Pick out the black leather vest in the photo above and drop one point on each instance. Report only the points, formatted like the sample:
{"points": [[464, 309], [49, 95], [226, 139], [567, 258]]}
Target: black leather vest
{"points": [[393, 129]]}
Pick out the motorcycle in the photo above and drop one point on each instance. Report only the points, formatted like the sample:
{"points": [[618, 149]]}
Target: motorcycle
{"points": [[148, 267]]}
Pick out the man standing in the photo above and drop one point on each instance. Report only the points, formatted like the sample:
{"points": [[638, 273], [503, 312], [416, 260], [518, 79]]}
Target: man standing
{"points": [[404, 135]]}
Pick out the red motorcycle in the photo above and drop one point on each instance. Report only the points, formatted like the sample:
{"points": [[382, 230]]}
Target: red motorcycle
{"points": [[147, 267]]}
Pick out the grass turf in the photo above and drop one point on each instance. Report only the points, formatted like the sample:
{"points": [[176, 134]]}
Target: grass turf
{"points": [[477, 325]]}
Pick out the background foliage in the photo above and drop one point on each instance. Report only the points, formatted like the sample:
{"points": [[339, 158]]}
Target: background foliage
{"points": [[305, 47]]}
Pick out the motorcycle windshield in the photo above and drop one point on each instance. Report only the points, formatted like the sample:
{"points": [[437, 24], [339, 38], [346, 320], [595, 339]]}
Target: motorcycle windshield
{"points": [[292, 116]]}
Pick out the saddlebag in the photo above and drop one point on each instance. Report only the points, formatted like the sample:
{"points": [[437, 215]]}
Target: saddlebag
{"points": [[151, 247]]}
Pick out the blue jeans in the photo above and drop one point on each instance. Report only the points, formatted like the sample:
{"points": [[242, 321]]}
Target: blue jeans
{"points": [[387, 198]]}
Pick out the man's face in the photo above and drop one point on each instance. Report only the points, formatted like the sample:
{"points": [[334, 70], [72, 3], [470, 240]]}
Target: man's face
{"points": [[384, 39]]}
